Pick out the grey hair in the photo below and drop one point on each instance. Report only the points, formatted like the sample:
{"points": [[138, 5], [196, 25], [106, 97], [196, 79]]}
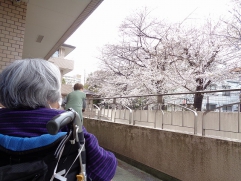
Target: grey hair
{"points": [[29, 83]]}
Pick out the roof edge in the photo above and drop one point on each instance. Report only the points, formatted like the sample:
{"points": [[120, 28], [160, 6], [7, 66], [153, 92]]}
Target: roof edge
{"points": [[81, 18]]}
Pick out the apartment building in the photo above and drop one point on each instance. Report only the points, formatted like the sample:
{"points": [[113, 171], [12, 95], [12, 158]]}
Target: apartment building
{"points": [[37, 29]]}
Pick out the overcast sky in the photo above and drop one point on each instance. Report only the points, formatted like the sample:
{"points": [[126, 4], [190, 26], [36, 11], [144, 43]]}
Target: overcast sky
{"points": [[102, 25]]}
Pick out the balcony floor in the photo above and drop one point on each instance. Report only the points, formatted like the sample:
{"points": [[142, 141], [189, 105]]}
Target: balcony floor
{"points": [[129, 173]]}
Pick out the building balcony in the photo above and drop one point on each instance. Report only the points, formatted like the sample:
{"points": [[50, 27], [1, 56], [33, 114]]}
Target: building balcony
{"points": [[64, 65]]}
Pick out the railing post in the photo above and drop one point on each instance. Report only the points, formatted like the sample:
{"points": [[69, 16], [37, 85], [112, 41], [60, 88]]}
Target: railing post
{"points": [[130, 117], [155, 118], [219, 119], [203, 125], [238, 118], [108, 110], [162, 116], [103, 115], [114, 109], [182, 117], [172, 117], [99, 112], [111, 113], [195, 124], [91, 111], [115, 115], [91, 107], [140, 112], [147, 113]]}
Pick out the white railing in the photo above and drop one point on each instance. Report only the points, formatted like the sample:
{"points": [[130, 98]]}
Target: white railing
{"points": [[220, 123], [150, 117], [182, 117], [168, 116]]}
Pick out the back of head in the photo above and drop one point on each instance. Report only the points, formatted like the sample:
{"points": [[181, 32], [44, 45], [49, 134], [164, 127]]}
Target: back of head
{"points": [[78, 86], [29, 83]]}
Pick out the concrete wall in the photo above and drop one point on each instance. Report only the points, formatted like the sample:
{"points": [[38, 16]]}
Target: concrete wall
{"points": [[182, 156], [12, 27]]}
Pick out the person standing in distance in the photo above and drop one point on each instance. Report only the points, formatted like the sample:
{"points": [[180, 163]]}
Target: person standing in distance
{"points": [[76, 99]]}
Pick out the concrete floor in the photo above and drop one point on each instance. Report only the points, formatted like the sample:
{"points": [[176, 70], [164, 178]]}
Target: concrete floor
{"points": [[126, 172]]}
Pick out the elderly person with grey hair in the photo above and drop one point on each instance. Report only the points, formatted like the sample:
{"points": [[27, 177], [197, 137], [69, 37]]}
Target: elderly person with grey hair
{"points": [[29, 93]]}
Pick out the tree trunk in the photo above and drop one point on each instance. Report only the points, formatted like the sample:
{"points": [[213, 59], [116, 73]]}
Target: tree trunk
{"points": [[198, 99]]}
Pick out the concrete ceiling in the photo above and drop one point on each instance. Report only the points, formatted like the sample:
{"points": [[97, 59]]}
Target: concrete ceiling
{"points": [[55, 20]]}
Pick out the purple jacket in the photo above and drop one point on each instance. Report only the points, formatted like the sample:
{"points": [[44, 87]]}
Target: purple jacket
{"points": [[101, 164]]}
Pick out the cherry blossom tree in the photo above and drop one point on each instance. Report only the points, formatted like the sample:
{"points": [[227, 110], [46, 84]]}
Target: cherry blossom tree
{"points": [[232, 25], [135, 63], [198, 60], [155, 57]]}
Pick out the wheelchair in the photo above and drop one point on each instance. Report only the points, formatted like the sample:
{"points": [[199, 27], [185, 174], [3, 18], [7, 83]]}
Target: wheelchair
{"points": [[49, 157]]}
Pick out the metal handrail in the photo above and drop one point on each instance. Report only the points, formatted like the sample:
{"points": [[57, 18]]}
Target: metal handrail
{"points": [[99, 109], [98, 115], [130, 113], [168, 94], [193, 111], [156, 116], [219, 117], [154, 119], [155, 122], [104, 114], [89, 110]]}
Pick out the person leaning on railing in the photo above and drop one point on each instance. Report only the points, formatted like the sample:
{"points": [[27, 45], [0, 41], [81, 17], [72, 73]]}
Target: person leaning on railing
{"points": [[29, 92]]}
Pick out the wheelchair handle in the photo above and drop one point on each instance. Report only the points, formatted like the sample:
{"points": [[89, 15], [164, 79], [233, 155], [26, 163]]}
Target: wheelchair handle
{"points": [[63, 119]]}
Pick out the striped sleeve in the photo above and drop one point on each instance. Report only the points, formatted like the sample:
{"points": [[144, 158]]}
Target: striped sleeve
{"points": [[101, 164]]}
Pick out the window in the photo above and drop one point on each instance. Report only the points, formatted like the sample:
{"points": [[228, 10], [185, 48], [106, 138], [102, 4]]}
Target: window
{"points": [[228, 92], [227, 108], [212, 87], [56, 54], [211, 106]]}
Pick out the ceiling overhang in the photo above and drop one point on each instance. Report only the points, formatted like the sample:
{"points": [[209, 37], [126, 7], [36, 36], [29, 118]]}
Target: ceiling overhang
{"points": [[56, 21]]}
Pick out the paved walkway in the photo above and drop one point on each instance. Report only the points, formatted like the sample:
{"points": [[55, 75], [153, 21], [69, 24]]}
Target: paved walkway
{"points": [[126, 172]]}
